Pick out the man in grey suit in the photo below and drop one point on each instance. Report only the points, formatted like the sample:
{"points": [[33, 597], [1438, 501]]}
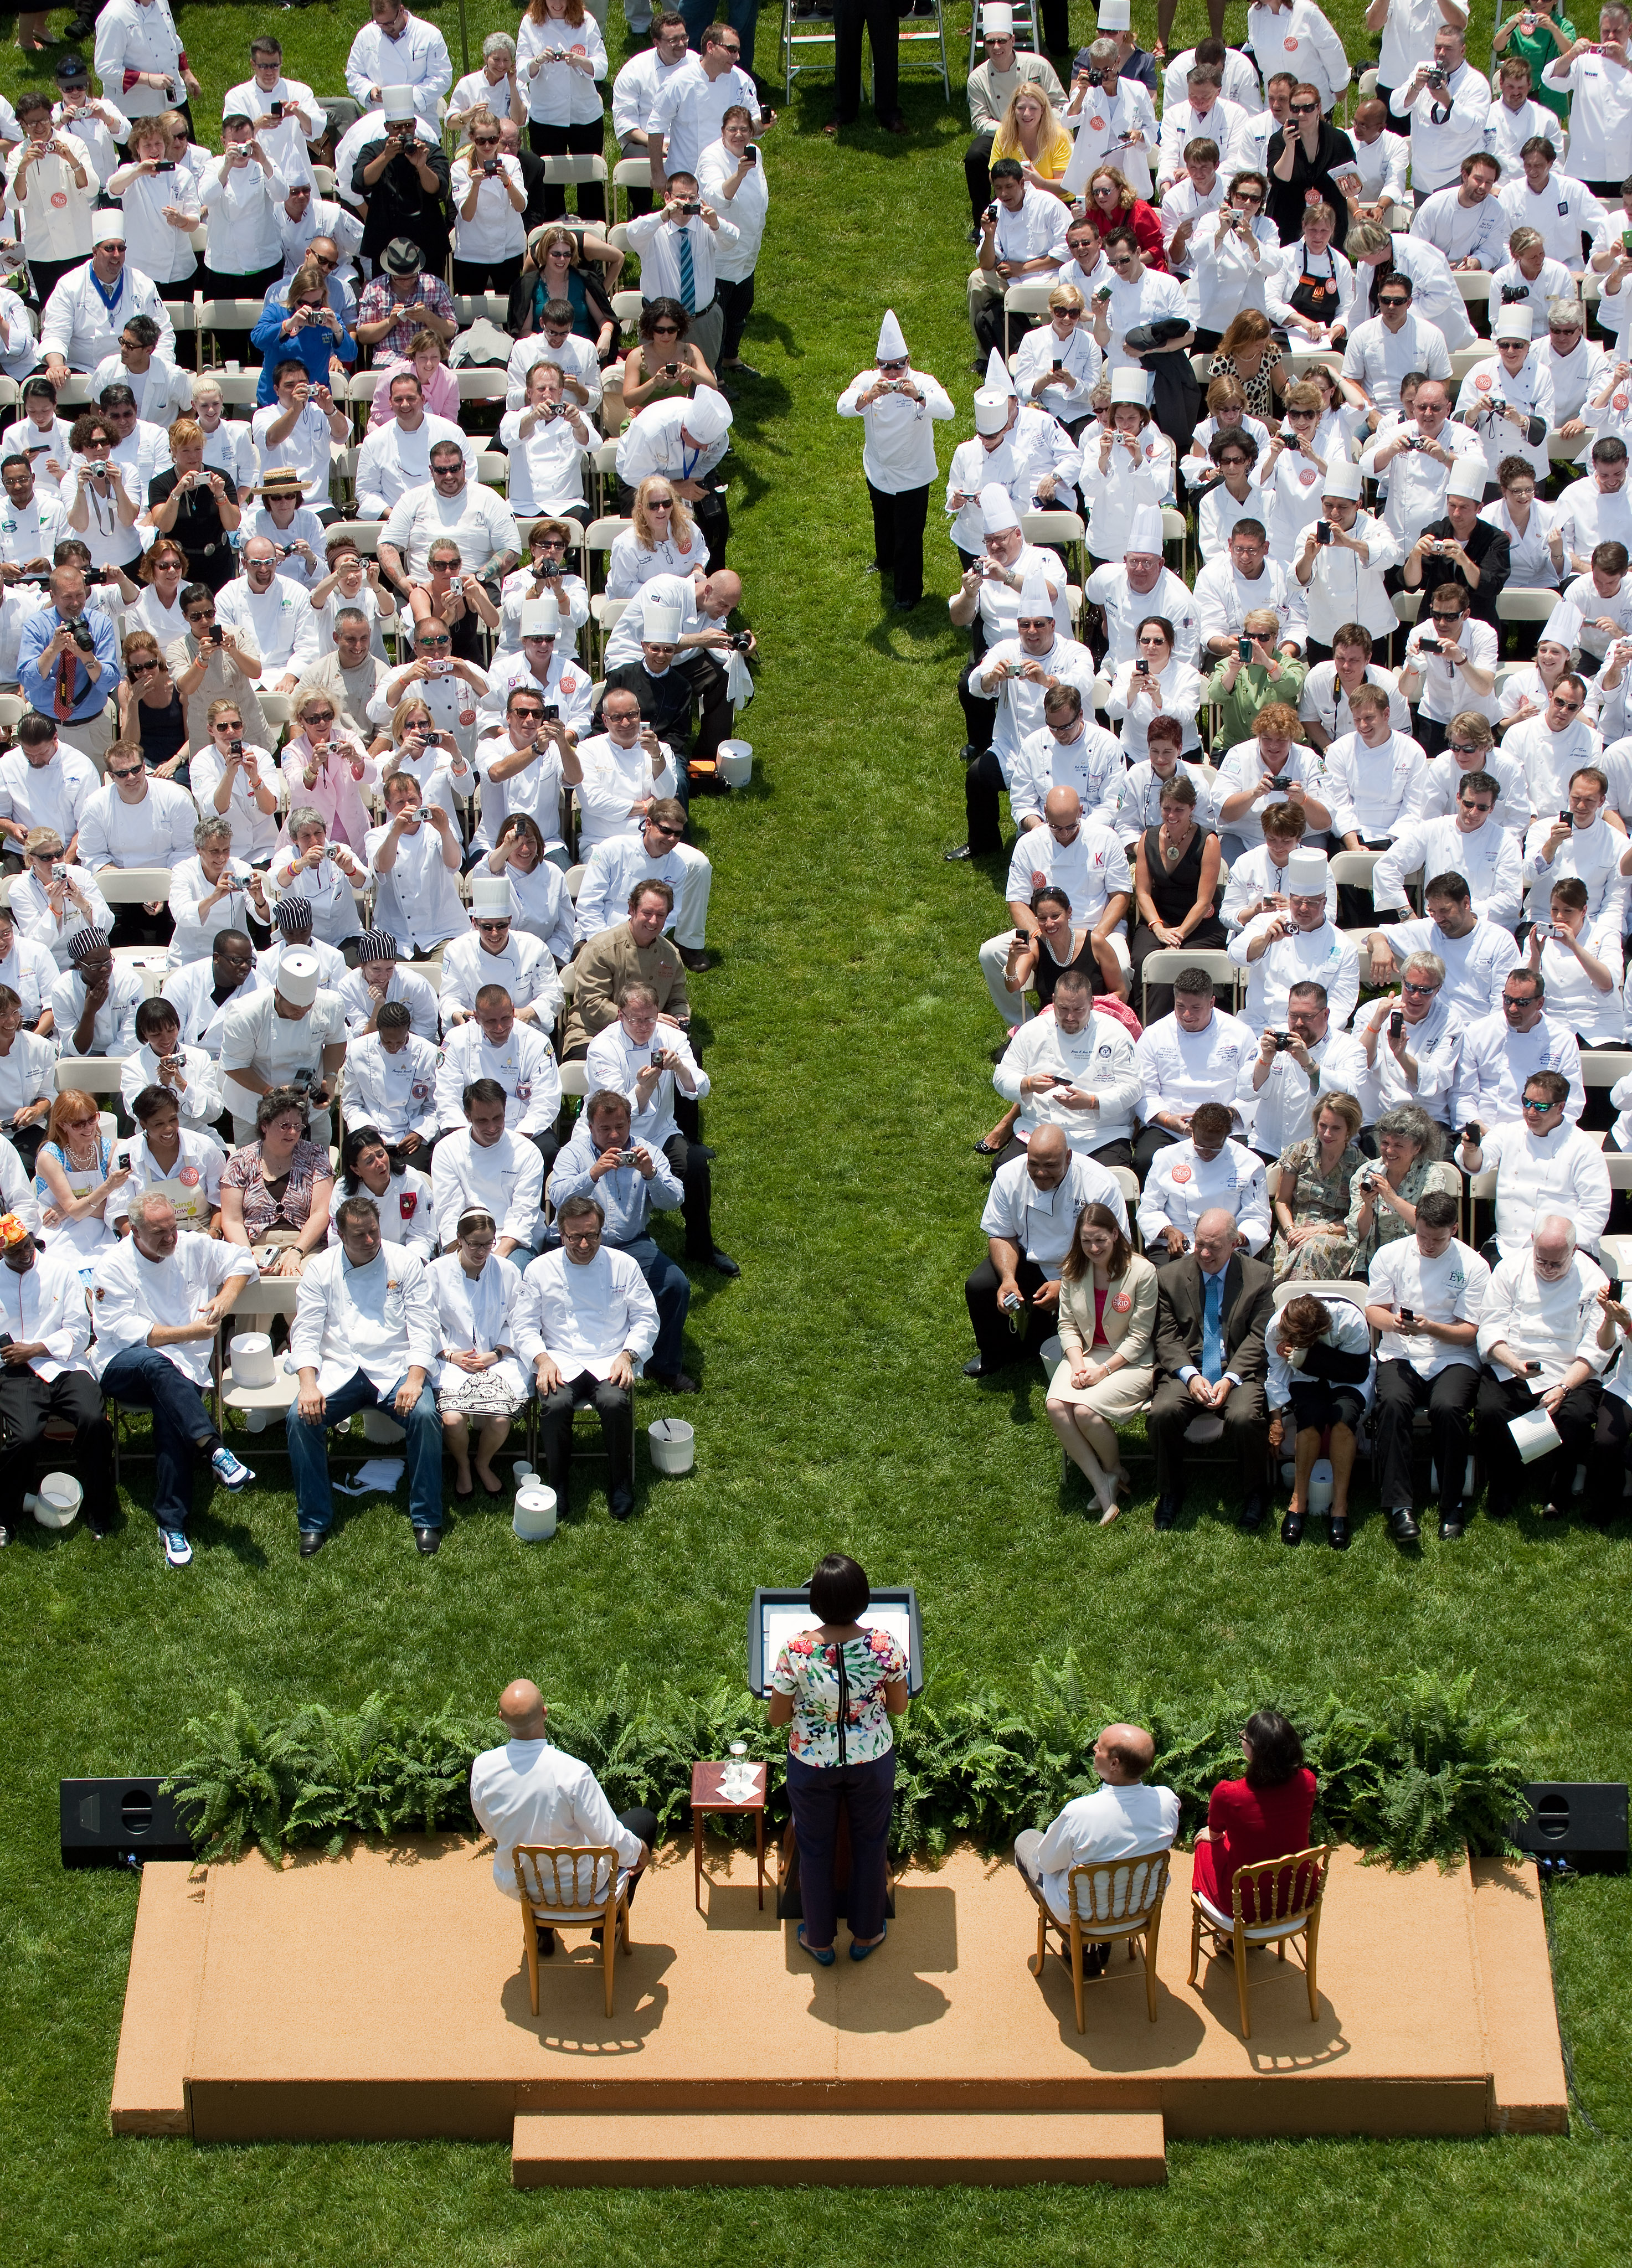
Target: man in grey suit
{"points": [[1212, 1309]]}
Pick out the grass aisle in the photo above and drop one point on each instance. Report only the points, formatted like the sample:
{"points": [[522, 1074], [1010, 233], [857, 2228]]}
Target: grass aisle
{"points": [[849, 1038]]}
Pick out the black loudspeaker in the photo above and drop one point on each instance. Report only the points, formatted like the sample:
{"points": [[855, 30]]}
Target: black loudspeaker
{"points": [[120, 1823], [1581, 1823]]}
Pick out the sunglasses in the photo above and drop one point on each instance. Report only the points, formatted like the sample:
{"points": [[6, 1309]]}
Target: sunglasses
{"points": [[1228, 461], [1396, 302], [1463, 747], [672, 331], [660, 504], [1071, 315], [1446, 621], [1120, 264], [318, 716], [525, 716], [142, 669], [659, 828], [135, 773], [485, 926], [1564, 330], [1252, 196], [1539, 1107], [318, 260], [196, 614], [1302, 413], [1422, 991], [230, 726], [1304, 109], [1508, 1001], [447, 641]]}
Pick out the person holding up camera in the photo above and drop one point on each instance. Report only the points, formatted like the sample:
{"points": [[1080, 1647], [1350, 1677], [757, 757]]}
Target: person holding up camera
{"points": [[241, 194], [402, 179], [489, 200], [677, 248], [52, 186], [67, 663], [548, 441], [1448, 103]]}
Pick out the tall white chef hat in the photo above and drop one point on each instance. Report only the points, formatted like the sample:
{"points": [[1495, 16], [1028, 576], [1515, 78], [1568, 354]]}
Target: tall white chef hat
{"points": [[708, 416], [1341, 479], [1562, 626], [660, 625], [991, 410], [490, 895], [1514, 322], [997, 17], [891, 345], [1034, 599], [297, 978], [1131, 385], [540, 617], [398, 102], [1115, 14], [997, 380], [1144, 530], [997, 509], [1306, 874], [1468, 478], [107, 228]]}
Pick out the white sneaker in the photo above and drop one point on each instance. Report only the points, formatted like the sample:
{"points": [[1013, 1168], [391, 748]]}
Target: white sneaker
{"points": [[178, 1550]]}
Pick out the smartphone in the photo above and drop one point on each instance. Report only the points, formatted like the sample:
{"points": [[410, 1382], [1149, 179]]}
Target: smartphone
{"points": [[1407, 1314], [751, 155], [552, 713], [1056, 367], [1397, 1025], [1141, 667], [1567, 818], [1323, 531], [1244, 648], [1471, 1133], [275, 110]]}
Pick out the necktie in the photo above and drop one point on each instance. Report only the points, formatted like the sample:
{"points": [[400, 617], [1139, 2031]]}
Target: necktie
{"points": [[1213, 1329], [688, 279]]}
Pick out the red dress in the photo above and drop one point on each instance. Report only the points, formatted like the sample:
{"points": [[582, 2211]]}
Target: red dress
{"points": [[1250, 1823]]}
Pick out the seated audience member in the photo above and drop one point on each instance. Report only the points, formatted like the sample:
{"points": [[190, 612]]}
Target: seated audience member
{"points": [[1476, 952], [1543, 1165], [1457, 671], [584, 1319], [1212, 1309], [210, 892], [1176, 888], [479, 1383], [1239, 688], [1141, 784], [364, 1336], [75, 1176], [380, 980], [1029, 1221], [390, 1083], [276, 1192], [1474, 845], [1003, 706], [1197, 1054], [234, 780], [1539, 1341], [46, 1376], [182, 1165], [27, 1079], [655, 853], [652, 1068], [1501, 1050], [93, 1004], [1257, 878], [1323, 706], [1086, 862], [1404, 1047], [1068, 750], [328, 780], [1427, 1293], [203, 991], [1384, 1198], [1123, 1816], [539, 903], [1203, 1171], [52, 900], [1074, 1069], [1107, 1312], [1280, 948], [485, 1164], [493, 951], [633, 948], [400, 1192], [292, 935], [1376, 778], [1581, 967], [186, 1074], [1264, 1814], [1319, 1385], [1256, 773], [1166, 686], [1606, 1465], [531, 1791], [492, 1045], [630, 1181], [289, 1037], [414, 859], [30, 971], [1580, 841], [1310, 1190], [159, 1297]]}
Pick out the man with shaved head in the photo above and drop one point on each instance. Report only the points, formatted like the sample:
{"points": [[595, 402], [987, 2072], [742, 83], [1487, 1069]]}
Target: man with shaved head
{"points": [[1121, 1816], [1213, 1307], [528, 1792], [1537, 1340]]}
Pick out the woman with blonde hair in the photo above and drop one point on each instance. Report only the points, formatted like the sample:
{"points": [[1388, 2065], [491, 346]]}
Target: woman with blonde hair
{"points": [[151, 712], [328, 767], [1115, 204], [1029, 131], [304, 329], [1058, 362], [576, 272], [560, 55], [409, 745], [1107, 1335], [75, 1175], [1310, 1191], [489, 200], [661, 541], [1248, 353]]}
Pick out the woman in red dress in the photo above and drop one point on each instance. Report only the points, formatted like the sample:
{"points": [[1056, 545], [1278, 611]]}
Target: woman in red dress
{"points": [[1266, 1816]]}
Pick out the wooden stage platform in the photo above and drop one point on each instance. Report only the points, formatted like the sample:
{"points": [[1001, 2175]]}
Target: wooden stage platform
{"points": [[384, 1994]]}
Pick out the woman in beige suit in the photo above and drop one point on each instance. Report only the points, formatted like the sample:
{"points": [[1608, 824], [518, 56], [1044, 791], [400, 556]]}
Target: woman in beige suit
{"points": [[1107, 1325]]}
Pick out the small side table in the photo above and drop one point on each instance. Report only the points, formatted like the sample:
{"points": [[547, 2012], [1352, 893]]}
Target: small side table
{"points": [[706, 1780]]}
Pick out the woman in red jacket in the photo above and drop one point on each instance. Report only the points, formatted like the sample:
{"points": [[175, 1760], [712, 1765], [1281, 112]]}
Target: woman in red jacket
{"points": [[1266, 1816], [1111, 200]]}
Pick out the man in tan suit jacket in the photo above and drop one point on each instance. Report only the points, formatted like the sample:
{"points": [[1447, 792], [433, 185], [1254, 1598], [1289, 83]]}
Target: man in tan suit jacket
{"points": [[1220, 1372], [635, 947]]}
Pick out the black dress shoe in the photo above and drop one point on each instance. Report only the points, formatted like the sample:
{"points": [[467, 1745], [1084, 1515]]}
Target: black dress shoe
{"points": [[894, 124], [1167, 1511], [1337, 1532], [677, 1382], [904, 606], [694, 958], [959, 850], [1402, 1525], [1292, 1528], [546, 1944], [722, 1263], [1451, 1530], [428, 1541], [312, 1542], [620, 1502], [1252, 1514]]}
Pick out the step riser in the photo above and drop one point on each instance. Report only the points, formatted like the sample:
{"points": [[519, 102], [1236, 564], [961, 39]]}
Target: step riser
{"points": [[736, 2173]]}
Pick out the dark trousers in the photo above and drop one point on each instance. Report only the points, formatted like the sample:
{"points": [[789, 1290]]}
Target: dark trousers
{"points": [[665, 1280], [547, 1143], [1575, 1419], [898, 539], [997, 1343], [814, 1795], [26, 1141], [487, 275], [587, 141], [1606, 1465], [689, 1162], [977, 173], [715, 714], [614, 1406], [147, 1379], [983, 784], [26, 1402], [1246, 1431], [134, 925], [1056, 22], [1149, 1139], [882, 24], [979, 709], [215, 285], [735, 302], [1448, 1400]]}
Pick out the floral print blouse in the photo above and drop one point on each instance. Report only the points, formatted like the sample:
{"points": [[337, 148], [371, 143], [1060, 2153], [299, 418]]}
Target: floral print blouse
{"points": [[807, 1668], [262, 1210]]}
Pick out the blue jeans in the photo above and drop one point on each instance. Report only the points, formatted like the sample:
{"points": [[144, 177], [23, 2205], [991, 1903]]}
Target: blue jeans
{"points": [[669, 1286], [814, 1795], [145, 1377], [308, 1452]]}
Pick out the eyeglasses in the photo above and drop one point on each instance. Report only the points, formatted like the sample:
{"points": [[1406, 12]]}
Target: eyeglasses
{"points": [[1568, 707], [1302, 413], [661, 827], [318, 716], [447, 641], [1228, 461], [1541, 1109], [1250, 197], [1447, 621], [1304, 109], [1397, 301], [134, 772], [488, 926], [1564, 330], [1422, 991], [200, 614], [318, 260], [660, 504], [1465, 747], [1508, 1001]]}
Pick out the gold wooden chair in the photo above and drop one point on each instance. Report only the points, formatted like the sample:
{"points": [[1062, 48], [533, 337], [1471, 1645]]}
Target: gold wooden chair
{"points": [[1271, 1903], [572, 1886], [1113, 1899]]}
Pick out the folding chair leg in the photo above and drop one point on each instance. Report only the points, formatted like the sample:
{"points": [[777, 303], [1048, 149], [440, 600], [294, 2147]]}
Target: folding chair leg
{"points": [[1152, 1935], [1310, 1938], [1195, 1943], [529, 1939]]}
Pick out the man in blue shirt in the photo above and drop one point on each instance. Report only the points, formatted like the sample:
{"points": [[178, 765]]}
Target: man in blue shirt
{"points": [[1212, 1309], [67, 665]]}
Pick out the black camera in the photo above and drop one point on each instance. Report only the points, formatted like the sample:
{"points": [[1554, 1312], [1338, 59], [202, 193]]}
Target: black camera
{"points": [[83, 638], [489, 165], [1397, 1024], [1056, 367], [1095, 77], [547, 570], [1436, 80], [1323, 531], [552, 713], [1141, 667], [1282, 1039], [165, 165], [275, 110], [1471, 1133], [234, 747], [1512, 292], [1428, 645], [1282, 782], [690, 205], [741, 640]]}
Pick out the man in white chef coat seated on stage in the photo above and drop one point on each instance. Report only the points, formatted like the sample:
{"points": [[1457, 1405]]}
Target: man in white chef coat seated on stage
{"points": [[528, 1792]]}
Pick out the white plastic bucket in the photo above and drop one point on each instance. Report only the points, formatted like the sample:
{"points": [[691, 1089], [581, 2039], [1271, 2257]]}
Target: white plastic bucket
{"points": [[736, 762], [535, 1517], [58, 1501], [672, 1444], [251, 1357], [1320, 1486]]}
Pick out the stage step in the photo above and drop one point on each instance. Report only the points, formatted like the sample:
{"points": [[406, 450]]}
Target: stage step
{"points": [[987, 2149]]}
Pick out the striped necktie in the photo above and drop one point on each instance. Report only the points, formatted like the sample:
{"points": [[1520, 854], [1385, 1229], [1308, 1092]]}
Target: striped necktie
{"points": [[688, 278]]}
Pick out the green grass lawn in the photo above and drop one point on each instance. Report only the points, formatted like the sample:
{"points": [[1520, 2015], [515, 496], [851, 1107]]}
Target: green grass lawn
{"points": [[850, 1036]]}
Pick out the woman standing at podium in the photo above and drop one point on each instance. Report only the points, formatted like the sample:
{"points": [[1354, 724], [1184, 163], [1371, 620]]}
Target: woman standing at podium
{"points": [[837, 1686]]}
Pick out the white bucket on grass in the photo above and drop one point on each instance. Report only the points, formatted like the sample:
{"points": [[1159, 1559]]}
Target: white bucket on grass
{"points": [[672, 1444], [250, 1355], [535, 1517], [58, 1501], [736, 763]]}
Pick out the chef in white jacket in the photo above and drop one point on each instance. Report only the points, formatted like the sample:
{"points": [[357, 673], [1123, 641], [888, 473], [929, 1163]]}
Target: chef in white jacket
{"points": [[899, 407]]}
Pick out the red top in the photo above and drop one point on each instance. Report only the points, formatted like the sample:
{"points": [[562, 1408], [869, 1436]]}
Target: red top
{"points": [[1250, 1823], [1142, 218]]}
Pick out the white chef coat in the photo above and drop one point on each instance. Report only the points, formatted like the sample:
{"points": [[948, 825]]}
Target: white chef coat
{"points": [[130, 1294], [1486, 857], [615, 778], [1552, 1323], [191, 993], [394, 1093], [557, 93], [380, 1319], [1094, 764], [254, 831], [158, 831], [242, 208], [1180, 1187], [613, 868], [257, 1038], [1601, 114], [525, 967], [747, 210], [1374, 791], [583, 1316], [393, 461], [198, 1104], [495, 230], [415, 59], [139, 35], [33, 918], [477, 1317], [687, 109], [1182, 1069], [419, 901], [113, 1031], [1321, 956], [46, 1302], [78, 324], [1450, 1288], [524, 1066], [506, 1178], [193, 1184], [615, 1061], [1559, 1172], [407, 1216], [27, 1071], [1099, 1058], [1042, 1223], [546, 466], [1377, 358], [51, 795], [1495, 1064], [278, 623], [1125, 608]]}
